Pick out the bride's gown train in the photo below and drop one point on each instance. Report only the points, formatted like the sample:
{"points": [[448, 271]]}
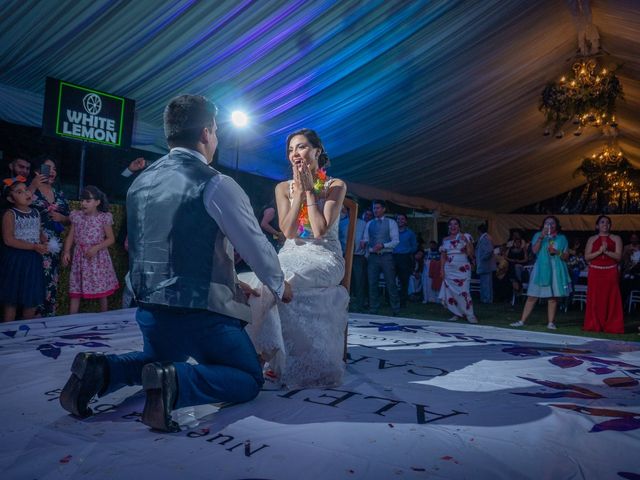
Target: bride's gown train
{"points": [[303, 341]]}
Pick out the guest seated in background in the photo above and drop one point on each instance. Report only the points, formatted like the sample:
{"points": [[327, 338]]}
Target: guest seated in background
{"points": [[422, 244], [576, 262], [269, 225], [517, 257], [632, 249], [516, 235], [631, 266], [604, 305], [415, 280], [431, 279], [49, 200], [502, 284]]}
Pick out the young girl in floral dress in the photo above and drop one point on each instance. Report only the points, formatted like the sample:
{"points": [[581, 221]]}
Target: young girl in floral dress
{"points": [[91, 233]]}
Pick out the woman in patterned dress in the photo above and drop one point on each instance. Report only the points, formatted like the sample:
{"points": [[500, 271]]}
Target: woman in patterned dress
{"points": [[54, 211], [456, 253]]}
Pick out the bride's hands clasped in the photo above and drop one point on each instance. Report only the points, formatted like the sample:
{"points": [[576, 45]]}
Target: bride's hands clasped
{"points": [[302, 177]]}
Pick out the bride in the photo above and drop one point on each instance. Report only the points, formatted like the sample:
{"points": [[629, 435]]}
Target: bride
{"points": [[302, 342]]}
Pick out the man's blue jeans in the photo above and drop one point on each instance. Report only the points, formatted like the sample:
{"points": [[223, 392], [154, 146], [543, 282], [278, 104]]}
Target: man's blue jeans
{"points": [[228, 369]]}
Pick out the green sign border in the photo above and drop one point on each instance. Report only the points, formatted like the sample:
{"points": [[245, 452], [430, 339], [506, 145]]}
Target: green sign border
{"points": [[97, 92]]}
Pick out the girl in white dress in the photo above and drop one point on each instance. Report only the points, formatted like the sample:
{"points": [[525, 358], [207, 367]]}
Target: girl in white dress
{"points": [[302, 342]]}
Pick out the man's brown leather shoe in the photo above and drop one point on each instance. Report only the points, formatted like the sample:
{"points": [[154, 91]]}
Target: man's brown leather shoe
{"points": [[89, 376], [160, 383]]}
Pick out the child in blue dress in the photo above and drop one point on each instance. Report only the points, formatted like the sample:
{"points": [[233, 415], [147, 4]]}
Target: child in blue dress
{"points": [[21, 271]]}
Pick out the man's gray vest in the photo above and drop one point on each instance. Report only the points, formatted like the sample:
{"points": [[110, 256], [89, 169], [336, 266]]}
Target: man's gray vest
{"points": [[178, 257], [379, 232]]}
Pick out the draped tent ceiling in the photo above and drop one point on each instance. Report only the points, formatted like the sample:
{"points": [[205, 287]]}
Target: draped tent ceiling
{"points": [[432, 100]]}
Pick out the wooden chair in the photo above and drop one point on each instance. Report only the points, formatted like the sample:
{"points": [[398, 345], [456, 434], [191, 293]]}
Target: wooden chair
{"points": [[352, 206]]}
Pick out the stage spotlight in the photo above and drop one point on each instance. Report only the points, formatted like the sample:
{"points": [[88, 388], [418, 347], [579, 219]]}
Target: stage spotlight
{"points": [[239, 119]]}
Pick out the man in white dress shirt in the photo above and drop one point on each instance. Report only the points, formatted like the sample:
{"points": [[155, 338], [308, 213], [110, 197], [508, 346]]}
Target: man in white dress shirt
{"points": [[380, 238], [184, 220]]}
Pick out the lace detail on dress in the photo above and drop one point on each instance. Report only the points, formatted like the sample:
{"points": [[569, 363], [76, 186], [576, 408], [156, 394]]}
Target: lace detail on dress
{"points": [[303, 340]]}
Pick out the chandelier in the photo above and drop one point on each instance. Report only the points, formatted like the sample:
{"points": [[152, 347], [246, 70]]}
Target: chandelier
{"points": [[587, 97], [611, 175]]}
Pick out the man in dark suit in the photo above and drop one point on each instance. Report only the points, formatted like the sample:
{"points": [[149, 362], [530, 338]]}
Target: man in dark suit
{"points": [[184, 220]]}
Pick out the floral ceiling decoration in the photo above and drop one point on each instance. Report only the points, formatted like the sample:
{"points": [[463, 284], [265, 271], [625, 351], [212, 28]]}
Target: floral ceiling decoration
{"points": [[586, 97]]}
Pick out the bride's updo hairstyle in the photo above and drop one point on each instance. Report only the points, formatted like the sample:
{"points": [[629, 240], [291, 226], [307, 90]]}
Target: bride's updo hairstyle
{"points": [[314, 140]]}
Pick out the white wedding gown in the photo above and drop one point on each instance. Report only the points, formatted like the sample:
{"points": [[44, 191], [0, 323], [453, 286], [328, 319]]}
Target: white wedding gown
{"points": [[303, 341]]}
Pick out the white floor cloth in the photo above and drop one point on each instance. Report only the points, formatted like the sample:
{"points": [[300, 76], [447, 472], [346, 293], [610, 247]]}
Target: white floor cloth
{"points": [[421, 399]]}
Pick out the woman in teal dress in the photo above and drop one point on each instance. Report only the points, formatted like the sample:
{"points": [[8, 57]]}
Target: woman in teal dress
{"points": [[550, 276]]}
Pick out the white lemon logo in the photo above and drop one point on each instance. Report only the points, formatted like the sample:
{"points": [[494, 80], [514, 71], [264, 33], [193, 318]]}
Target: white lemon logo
{"points": [[92, 104]]}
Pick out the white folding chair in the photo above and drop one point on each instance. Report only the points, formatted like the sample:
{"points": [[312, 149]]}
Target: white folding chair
{"points": [[580, 295], [634, 297], [521, 293]]}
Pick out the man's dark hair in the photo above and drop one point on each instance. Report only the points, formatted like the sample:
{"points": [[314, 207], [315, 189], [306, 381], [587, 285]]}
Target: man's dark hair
{"points": [[20, 156], [482, 228], [382, 203], [184, 118]]}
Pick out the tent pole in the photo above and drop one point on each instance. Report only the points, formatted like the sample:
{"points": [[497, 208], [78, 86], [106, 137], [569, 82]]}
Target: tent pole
{"points": [[83, 156]]}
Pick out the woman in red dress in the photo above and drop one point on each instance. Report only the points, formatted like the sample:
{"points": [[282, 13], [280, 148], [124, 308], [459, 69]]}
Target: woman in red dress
{"points": [[604, 304]]}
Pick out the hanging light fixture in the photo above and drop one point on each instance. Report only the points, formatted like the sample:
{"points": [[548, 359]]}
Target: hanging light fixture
{"points": [[611, 174], [587, 97]]}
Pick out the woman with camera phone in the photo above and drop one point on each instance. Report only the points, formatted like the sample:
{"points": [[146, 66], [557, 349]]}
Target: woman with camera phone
{"points": [[54, 211]]}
